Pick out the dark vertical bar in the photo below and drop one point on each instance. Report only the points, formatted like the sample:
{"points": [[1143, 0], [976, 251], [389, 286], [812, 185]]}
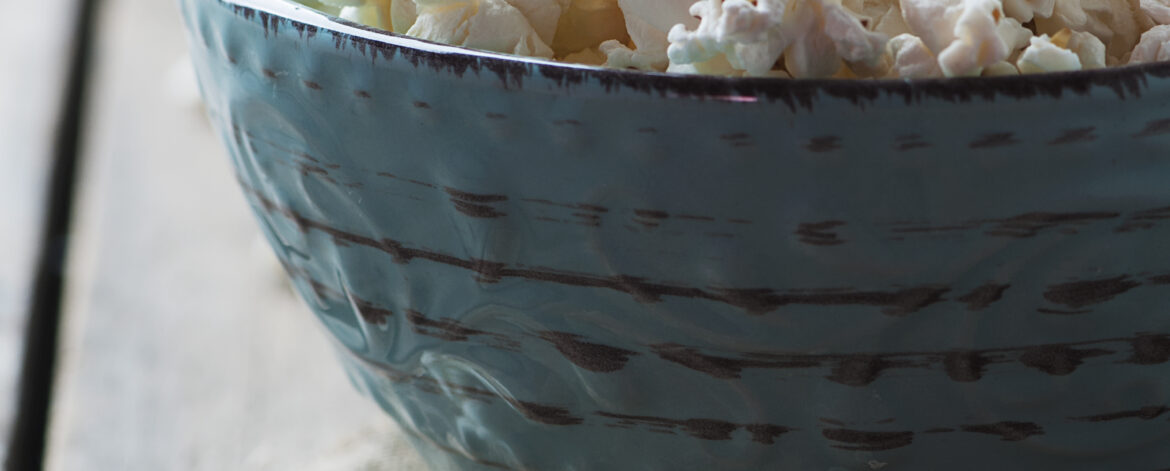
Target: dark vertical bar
{"points": [[26, 450]]}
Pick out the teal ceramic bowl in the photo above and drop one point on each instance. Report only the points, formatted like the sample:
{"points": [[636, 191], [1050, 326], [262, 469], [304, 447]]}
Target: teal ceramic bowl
{"points": [[538, 266]]}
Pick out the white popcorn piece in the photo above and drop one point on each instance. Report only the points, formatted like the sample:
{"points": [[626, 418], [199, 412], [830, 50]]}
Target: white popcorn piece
{"points": [[619, 56], [403, 14], [717, 65], [647, 22], [814, 36], [1154, 46], [1000, 69], [912, 59], [493, 25], [852, 41], [1117, 23], [1043, 55], [1089, 49], [966, 35], [373, 13], [1025, 10], [751, 37], [1157, 10]]}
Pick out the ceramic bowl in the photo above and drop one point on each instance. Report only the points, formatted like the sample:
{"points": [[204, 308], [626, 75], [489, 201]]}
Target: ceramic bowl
{"points": [[538, 266]]}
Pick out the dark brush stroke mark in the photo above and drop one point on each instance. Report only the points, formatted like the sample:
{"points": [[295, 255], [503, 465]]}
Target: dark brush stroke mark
{"points": [[858, 440], [1130, 226], [422, 105], [474, 197], [982, 297], [819, 233], [647, 130], [306, 169], [1078, 294], [651, 214], [1031, 224], [1008, 431], [1159, 280], [1150, 349], [860, 369], [474, 204], [966, 366], [998, 139], [578, 206], [692, 217], [496, 116], [757, 301], [823, 144], [831, 421], [1155, 214], [939, 430], [477, 210], [894, 303], [362, 94], [766, 433], [718, 367], [407, 180], [444, 329], [1059, 360], [313, 85], [1069, 136], [704, 429], [910, 142], [370, 313], [542, 413], [590, 356], [1144, 413], [739, 221], [567, 122], [1156, 127]]}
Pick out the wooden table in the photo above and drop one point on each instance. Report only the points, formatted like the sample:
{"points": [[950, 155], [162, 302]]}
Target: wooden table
{"points": [[181, 346]]}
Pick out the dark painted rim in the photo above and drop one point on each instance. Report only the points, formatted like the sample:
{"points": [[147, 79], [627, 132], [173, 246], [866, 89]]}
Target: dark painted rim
{"points": [[1126, 81]]}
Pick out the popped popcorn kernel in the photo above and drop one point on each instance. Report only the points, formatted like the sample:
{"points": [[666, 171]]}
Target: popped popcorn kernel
{"points": [[843, 39]]}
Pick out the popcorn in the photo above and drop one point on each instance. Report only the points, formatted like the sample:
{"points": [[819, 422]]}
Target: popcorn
{"points": [[1154, 46], [1089, 49], [999, 69], [1047, 55], [647, 22], [791, 38], [912, 59], [1157, 10], [966, 35], [493, 25]]}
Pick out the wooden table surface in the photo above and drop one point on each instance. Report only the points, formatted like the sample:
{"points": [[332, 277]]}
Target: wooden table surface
{"points": [[181, 345]]}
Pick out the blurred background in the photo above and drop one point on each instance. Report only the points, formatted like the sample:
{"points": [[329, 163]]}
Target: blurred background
{"points": [[144, 323]]}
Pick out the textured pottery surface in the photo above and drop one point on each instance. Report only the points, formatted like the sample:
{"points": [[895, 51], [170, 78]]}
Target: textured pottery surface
{"points": [[534, 266]]}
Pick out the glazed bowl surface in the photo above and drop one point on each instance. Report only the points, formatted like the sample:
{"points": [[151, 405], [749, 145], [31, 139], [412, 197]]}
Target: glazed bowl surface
{"points": [[538, 266]]}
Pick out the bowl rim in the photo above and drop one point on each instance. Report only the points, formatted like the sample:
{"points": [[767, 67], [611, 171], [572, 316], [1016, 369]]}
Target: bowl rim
{"points": [[1126, 81]]}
